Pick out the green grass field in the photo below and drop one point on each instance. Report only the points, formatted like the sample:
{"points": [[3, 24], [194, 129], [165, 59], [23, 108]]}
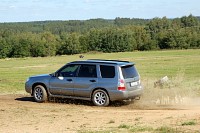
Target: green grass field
{"points": [[182, 65]]}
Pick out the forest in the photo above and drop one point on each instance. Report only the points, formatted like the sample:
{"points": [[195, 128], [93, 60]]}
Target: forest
{"points": [[50, 38]]}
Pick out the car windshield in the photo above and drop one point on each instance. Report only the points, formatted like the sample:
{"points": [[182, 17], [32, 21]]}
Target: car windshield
{"points": [[129, 71]]}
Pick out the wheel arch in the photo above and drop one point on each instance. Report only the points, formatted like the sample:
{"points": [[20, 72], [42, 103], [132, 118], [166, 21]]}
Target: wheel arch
{"points": [[99, 89], [39, 83]]}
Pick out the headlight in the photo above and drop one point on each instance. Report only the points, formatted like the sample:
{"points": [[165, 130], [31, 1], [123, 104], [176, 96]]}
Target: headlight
{"points": [[27, 79]]}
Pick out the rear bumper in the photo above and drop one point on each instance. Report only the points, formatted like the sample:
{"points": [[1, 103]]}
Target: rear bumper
{"points": [[124, 95]]}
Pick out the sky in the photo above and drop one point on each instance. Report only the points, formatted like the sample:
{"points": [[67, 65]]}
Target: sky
{"points": [[42, 10]]}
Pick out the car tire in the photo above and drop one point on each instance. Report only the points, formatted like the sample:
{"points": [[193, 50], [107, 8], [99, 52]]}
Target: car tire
{"points": [[100, 98], [40, 94]]}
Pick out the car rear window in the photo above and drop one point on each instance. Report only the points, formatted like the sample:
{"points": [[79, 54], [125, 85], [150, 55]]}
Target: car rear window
{"points": [[107, 71], [129, 71]]}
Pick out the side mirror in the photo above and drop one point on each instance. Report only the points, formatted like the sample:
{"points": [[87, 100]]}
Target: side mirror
{"points": [[60, 77]]}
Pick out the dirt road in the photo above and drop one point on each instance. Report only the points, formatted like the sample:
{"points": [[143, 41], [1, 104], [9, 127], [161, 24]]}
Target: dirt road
{"points": [[20, 114]]}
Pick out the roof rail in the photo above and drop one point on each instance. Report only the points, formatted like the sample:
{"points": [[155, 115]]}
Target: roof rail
{"points": [[109, 60]]}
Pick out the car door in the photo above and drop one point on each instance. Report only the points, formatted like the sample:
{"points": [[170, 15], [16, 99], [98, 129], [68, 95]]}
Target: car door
{"points": [[63, 82], [86, 80]]}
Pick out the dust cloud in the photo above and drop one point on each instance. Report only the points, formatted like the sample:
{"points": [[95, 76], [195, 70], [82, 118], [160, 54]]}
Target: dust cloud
{"points": [[173, 95]]}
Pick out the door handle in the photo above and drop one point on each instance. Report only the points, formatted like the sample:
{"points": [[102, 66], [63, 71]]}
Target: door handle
{"points": [[93, 80], [69, 79]]}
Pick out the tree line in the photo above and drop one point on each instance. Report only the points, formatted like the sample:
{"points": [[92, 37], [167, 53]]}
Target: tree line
{"points": [[49, 38]]}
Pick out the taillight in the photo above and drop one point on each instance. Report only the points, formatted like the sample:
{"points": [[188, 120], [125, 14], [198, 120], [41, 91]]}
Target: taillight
{"points": [[121, 85]]}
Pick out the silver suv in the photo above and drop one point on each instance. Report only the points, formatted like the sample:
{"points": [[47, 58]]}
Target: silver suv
{"points": [[99, 81]]}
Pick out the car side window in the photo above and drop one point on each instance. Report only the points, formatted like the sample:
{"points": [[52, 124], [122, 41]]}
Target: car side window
{"points": [[87, 71], [107, 71], [69, 71]]}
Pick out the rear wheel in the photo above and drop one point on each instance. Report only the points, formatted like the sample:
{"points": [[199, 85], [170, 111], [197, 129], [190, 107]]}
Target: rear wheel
{"points": [[40, 94], [100, 98]]}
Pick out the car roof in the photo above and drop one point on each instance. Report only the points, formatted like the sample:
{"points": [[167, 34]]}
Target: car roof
{"points": [[100, 61]]}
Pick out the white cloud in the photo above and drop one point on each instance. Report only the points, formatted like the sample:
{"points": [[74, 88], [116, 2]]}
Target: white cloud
{"points": [[12, 6]]}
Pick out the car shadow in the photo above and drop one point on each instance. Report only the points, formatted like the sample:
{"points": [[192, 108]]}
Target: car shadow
{"points": [[72, 101], [25, 99]]}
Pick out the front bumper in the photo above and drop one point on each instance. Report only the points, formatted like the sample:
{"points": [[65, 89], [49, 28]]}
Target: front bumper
{"points": [[28, 87]]}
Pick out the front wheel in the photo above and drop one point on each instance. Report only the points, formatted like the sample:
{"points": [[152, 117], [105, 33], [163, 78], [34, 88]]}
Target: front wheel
{"points": [[40, 94], [100, 98]]}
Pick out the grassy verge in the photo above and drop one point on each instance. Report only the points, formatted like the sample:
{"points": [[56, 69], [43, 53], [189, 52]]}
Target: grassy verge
{"points": [[181, 66], [141, 129]]}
